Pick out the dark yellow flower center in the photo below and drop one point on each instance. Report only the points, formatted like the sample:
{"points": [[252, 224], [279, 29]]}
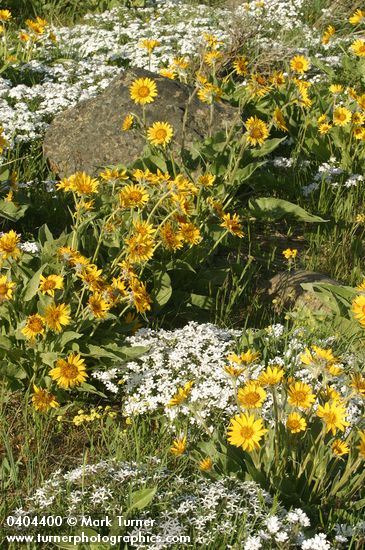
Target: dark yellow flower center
{"points": [[69, 371], [143, 91], [246, 432], [35, 324]]}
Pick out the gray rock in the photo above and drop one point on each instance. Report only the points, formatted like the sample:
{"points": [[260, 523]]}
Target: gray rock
{"points": [[286, 291], [88, 137]]}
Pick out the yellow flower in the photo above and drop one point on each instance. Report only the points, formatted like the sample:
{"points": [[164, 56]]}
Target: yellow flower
{"points": [[245, 431], [279, 120], [235, 372], [361, 447], [299, 64], [70, 372], [190, 233], [324, 128], [257, 131], [240, 65], [143, 91], [210, 93], [340, 448], [168, 73], [357, 17], [34, 326], [232, 224], [48, 285], [296, 423], [358, 118], [336, 89], [358, 383], [9, 245], [290, 253], [278, 79], [206, 180], [333, 415], [84, 184], [328, 33], [178, 446], [212, 40], [149, 44], [98, 306], [358, 47], [140, 248], [57, 315], [341, 116], [171, 239], [206, 464], [5, 15], [181, 395], [90, 275], [320, 356], [180, 63], [251, 396], [300, 395], [358, 309], [127, 123], [139, 296], [6, 288], [359, 133], [271, 376], [212, 57], [36, 26], [160, 133], [133, 196], [42, 400]]}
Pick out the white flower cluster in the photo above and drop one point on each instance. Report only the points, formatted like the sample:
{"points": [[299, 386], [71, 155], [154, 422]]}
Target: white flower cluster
{"points": [[86, 57], [327, 172]]}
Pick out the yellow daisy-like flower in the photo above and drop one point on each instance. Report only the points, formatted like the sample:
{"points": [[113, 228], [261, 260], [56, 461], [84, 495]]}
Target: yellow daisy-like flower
{"points": [[180, 63], [358, 118], [190, 233], [43, 400], [240, 65], [90, 275], [361, 286], [257, 131], [133, 196], [279, 120], [251, 396], [84, 184], [48, 285], [143, 91], [340, 448], [5, 15], [245, 431], [359, 133], [271, 376], [111, 174], [70, 372], [357, 17], [296, 423], [333, 415], [232, 224], [206, 464], [206, 180], [168, 73], [33, 327], [361, 447], [160, 133], [98, 306], [328, 33], [57, 316], [181, 395], [336, 89], [358, 47], [210, 58], [139, 296], [290, 253], [300, 64], [358, 383], [300, 395], [9, 245], [178, 446], [127, 123], [140, 248], [341, 116], [171, 239], [324, 128], [210, 93], [278, 79], [149, 44], [6, 288], [235, 372], [358, 309]]}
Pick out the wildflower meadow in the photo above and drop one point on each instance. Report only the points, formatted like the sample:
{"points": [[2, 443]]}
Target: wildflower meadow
{"points": [[182, 274]]}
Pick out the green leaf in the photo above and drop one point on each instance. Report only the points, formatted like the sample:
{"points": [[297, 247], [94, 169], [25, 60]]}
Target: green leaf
{"points": [[33, 285], [88, 388], [267, 147], [275, 209], [11, 211], [198, 300], [162, 290], [140, 499], [69, 336]]}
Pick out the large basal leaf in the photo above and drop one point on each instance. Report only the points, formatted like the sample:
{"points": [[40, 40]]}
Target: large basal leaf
{"points": [[269, 146], [140, 499], [11, 212], [271, 208]]}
